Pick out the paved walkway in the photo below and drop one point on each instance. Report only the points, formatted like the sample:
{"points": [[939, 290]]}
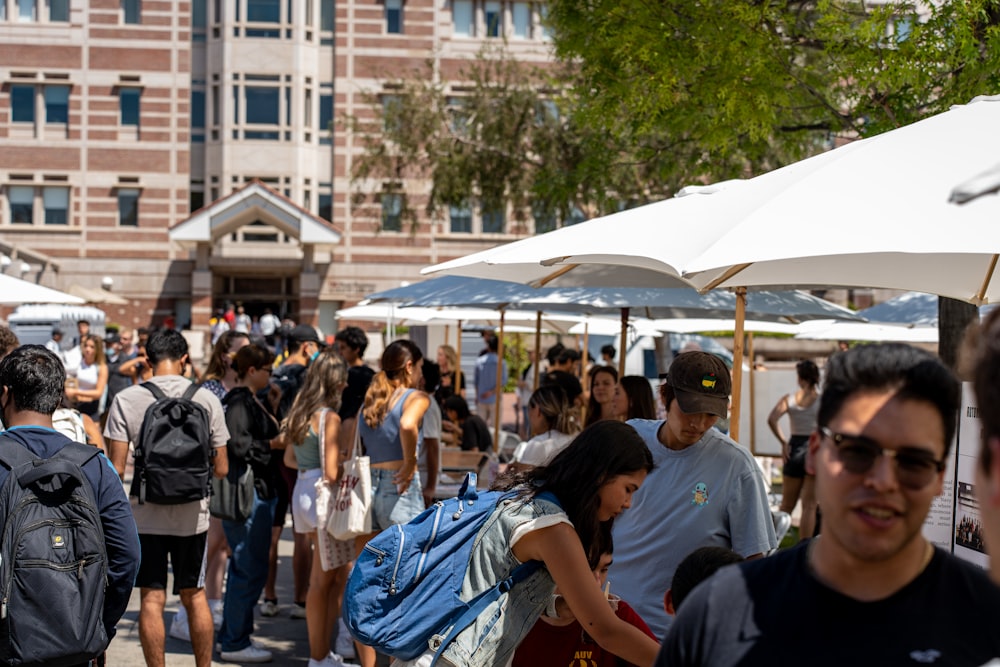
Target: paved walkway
{"points": [[284, 636]]}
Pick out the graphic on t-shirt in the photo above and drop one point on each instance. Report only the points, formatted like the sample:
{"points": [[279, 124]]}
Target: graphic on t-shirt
{"points": [[700, 494], [583, 659]]}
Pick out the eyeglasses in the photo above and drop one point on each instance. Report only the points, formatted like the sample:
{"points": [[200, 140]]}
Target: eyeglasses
{"points": [[915, 467]]}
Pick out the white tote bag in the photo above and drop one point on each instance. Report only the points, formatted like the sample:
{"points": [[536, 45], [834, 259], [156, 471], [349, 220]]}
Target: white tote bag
{"points": [[352, 510], [333, 553]]}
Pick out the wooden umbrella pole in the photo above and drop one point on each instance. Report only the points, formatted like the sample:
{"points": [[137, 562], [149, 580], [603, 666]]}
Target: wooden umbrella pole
{"points": [[621, 343], [538, 349], [583, 364], [498, 396], [753, 397], [456, 383], [741, 308]]}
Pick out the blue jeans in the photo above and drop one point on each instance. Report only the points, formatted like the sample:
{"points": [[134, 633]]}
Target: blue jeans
{"points": [[388, 507], [250, 542]]}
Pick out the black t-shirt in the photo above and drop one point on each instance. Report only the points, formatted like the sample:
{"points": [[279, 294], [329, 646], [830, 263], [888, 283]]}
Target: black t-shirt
{"points": [[476, 434], [288, 378], [358, 379], [773, 611]]}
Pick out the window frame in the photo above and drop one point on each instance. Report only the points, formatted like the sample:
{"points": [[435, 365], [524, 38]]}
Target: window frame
{"points": [[390, 11], [135, 194]]}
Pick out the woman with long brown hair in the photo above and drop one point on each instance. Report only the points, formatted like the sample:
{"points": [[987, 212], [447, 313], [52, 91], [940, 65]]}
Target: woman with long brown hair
{"points": [[389, 429]]}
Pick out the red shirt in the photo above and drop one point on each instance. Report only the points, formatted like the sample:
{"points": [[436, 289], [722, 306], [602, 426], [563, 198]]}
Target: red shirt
{"points": [[570, 646]]}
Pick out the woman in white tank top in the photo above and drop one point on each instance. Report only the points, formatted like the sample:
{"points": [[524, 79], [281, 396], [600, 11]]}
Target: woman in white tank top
{"points": [[801, 408]]}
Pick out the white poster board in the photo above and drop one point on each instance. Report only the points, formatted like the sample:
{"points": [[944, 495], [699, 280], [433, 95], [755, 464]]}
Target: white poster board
{"points": [[967, 541]]}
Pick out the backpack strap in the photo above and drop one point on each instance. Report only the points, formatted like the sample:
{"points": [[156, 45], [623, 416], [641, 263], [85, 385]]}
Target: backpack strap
{"points": [[191, 391], [151, 387], [12, 457]]}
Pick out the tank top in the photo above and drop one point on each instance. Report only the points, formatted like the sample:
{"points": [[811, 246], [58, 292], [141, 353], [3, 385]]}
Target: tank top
{"points": [[383, 444], [307, 452], [86, 375], [802, 420]]}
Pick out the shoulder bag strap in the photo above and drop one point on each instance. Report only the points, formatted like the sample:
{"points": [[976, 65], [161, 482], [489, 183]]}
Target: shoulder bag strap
{"points": [[356, 449], [322, 444]]}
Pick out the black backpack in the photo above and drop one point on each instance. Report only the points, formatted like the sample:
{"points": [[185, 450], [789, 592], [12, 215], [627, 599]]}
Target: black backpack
{"points": [[173, 457], [55, 566]]}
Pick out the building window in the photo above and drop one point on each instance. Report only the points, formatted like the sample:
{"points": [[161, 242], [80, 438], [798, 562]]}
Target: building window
{"points": [[326, 108], [394, 17], [392, 109], [545, 220], [326, 204], [462, 18], [461, 219], [58, 10], [26, 11], [57, 104], [264, 11], [131, 12], [128, 207], [22, 202], [198, 116], [56, 202], [493, 221], [392, 212], [326, 14], [22, 102], [494, 19], [128, 99], [522, 20], [196, 200], [543, 14], [199, 20]]}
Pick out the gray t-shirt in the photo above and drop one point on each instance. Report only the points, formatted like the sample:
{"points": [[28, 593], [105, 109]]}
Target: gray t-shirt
{"points": [[709, 494], [124, 423]]}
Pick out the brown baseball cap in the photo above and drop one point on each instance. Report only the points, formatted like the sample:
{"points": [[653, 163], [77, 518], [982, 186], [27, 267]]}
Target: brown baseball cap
{"points": [[701, 383]]}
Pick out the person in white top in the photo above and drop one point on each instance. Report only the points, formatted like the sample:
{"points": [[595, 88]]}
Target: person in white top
{"points": [[243, 321], [551, 426], [801, 408]]}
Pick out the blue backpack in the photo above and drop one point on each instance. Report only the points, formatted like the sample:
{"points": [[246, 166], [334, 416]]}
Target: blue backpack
{"points": [[406, 584]]}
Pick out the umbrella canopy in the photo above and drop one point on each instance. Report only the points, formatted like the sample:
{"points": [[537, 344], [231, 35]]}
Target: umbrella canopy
{"points": [[97, 295], [14, 292], [868, 331], [910, 308]]}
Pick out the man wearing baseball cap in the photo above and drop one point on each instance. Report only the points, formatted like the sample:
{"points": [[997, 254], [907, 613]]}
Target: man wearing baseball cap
{"points": [[706, 490]]}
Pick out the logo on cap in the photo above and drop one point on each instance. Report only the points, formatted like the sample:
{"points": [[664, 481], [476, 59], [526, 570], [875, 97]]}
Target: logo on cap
{"points": [[708, 381]]}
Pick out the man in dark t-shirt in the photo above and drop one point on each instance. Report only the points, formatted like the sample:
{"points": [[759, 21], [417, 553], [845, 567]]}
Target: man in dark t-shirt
{"points": [[351, 344], [871, 589], [475, 433]]}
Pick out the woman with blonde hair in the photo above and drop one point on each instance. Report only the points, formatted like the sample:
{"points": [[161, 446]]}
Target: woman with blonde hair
{"points": [[552, 428], [91, 377], [312, 422], [452, 379], [389, 429]]}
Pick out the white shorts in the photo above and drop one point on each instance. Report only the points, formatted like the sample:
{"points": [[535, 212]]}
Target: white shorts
{"points": [[304, 501]]}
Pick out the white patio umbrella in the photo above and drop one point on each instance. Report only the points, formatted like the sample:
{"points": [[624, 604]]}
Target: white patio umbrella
{"points": [[14, 292], [872, 213], [867, 331]]}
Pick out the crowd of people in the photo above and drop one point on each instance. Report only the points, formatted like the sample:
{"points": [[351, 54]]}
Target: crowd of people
{"points": [[604, 490]]}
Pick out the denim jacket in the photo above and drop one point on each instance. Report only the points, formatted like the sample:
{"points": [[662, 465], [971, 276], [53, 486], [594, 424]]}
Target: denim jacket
{"points": [[495, 634]]}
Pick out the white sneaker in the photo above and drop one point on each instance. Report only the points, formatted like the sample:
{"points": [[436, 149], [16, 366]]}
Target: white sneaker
{"points": [[331, 660], [298, 611], [179, 628], [216, 607], [269, 608], [251, 653], [345, 642]]}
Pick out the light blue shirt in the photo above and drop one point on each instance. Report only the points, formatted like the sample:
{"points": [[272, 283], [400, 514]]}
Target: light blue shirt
{"points": [[486, 377], [709, 494]]}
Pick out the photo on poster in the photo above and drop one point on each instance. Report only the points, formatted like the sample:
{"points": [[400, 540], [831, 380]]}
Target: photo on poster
{"points": [[967, 535]]}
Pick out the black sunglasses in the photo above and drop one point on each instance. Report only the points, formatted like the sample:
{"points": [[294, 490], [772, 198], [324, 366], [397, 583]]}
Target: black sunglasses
{"points": [[915, 467]]}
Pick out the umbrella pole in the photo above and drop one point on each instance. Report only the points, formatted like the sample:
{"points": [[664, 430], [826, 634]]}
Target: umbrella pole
{"points": [[741, 307], [447, 333], [538, 349], [621, 343], [456, 381], [498, 404], [583, 364]]}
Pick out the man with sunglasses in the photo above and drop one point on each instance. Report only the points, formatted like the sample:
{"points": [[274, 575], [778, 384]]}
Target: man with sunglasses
{"points": [[871, 589]]}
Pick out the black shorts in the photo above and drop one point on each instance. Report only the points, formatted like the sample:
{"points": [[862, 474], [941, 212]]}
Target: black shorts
{"points": [[796, 464], [187, 561]]}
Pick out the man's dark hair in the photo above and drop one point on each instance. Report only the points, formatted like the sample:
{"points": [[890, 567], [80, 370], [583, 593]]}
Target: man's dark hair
{"points": [[569, 354], [608, 351], [698, 566], [458, 404], [354, 338], [568, 382], [432, 375], [166, 344], [35, 379], [492, 343], [912, 373], [552, 354]]}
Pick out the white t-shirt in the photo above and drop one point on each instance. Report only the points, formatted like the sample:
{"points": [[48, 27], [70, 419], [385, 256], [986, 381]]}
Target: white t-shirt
{"points": [[540, 450]]}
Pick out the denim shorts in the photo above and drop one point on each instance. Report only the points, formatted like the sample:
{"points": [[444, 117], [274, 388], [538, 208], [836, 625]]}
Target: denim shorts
{"points": [[388, 507]]}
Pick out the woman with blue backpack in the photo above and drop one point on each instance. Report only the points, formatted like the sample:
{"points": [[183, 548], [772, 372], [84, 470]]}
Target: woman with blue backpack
{"points": [[548, 527]]}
